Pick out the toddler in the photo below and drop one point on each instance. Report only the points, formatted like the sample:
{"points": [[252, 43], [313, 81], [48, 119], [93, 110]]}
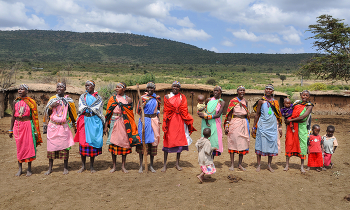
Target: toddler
{"points": [[287, 111], [329, 143], [201, 107], [315, 149], [205, 158]]}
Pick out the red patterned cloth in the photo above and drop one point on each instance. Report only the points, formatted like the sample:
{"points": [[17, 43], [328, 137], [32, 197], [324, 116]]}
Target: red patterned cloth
{"points": [[116, 150], [234, 102], [244, 152], [89, 151]]}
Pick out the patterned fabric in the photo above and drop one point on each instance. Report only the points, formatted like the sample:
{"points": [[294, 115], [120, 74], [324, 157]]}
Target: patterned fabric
{"points": [[145, 98], [34, 114], [177, 83], [151, 150], [66, 100], [307, 103], [28, 160], [216, 153], [89, 151], [209, 169], [244, 152], [289, 154], [128, 117], [62, 154], [116, 150], [258, 152], [24, 86], [235, 101], [315, 160], [96, 107]]}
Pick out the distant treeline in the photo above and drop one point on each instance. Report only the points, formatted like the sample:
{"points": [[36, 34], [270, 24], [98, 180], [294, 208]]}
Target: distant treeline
{"points": [[65, 46]]}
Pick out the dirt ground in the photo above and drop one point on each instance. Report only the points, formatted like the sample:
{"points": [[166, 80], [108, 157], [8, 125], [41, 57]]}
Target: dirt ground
{"points": [[176, 189]]}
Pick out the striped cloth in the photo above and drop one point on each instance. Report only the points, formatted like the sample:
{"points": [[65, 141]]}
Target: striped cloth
{"points": [[116, 150], [258, 152], [216, 153], [28, 160], [289, 154], [151, 150], [89, 151], [243, 152], [61, 154]]}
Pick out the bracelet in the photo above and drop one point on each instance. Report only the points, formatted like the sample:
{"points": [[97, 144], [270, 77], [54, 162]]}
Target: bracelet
{"points": [[226, 126], [209, 117], [10, 131], [254, 128]]}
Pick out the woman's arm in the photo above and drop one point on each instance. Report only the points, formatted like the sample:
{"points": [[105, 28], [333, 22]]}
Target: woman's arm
{"points": [[12, 120], [297, 119], [221, 109], [229, 117], [257, 116]]}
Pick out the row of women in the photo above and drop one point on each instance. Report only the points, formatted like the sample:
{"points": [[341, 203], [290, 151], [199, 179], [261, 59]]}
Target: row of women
{"points": [[119, 125]]}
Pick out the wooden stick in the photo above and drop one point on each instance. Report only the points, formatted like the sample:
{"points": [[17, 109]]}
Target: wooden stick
{"points": [[143, 129]]}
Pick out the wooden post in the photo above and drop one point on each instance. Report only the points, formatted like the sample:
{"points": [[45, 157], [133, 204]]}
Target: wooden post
{"points": [[192, 101], [143, 129]]}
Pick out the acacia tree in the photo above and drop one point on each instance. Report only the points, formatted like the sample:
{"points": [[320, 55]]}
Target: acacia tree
{"points": [[332, 40]]}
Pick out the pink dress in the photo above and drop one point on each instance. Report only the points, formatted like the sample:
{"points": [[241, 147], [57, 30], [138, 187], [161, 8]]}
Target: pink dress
{"points": [[59, 137], [22, 132], [119, 136]]}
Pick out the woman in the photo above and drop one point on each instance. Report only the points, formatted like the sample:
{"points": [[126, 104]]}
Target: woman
{"points": [[237, 127], [267, 124], [25, 129], [215, 107], [59, 112], [177, 124], [296, 142], [90, 125], [123, 131], [151, 108]]}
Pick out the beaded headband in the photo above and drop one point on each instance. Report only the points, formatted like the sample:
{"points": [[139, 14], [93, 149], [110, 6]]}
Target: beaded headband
{"points": [[91, 82], [151, 85], [217, 86], [240, 87], [305, 91], [177, 83], [61, 83], [269, 86], [24, 86], [119, 84]]}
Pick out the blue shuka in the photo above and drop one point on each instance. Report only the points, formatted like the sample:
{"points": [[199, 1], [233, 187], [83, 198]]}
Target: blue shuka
{"points": [[149, 108]]}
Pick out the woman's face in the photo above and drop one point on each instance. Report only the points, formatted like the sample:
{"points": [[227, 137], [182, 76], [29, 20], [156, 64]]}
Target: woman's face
{"points": [[217, 92], [22, 92], [241, 92], [176, 89], [268, 91], [305, 96], [150, 90], [60, 89], [119, 90], [89, 88]]}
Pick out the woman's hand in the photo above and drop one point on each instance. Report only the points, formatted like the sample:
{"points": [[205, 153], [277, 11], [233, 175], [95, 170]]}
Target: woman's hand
{"points": [[105, 130], [11, 135], [226, 131], [280, 131], [287, 121], [200, 114]]}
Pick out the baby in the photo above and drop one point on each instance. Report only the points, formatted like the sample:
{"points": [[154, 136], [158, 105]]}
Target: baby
{"points": [[287, 111], [205, 158], [201, 107]]}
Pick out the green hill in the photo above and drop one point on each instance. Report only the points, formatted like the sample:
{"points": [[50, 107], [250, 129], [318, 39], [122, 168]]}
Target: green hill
{"points": [[65, 46]]}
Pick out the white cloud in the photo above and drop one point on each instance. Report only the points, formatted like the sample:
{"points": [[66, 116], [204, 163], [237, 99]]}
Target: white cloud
{"points": [[243, 34], [214, 49], [290, 50], [227, 43], [185, 22]]}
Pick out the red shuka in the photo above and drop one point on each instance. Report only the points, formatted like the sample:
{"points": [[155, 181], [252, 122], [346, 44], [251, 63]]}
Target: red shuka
{"points": [[292, 139]]}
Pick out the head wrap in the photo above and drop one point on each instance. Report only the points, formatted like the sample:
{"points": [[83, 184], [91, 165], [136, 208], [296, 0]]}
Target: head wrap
{"points": [[305, 91], [61, 83], [217, 86], [119, 84], [269, 86], [241, 86], [24, 86], [177, 83], [151, 85], [91, 82]]}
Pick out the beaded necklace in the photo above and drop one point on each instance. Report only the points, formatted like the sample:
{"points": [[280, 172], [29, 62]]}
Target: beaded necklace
{"points": [[59, 114], [21, 110]]}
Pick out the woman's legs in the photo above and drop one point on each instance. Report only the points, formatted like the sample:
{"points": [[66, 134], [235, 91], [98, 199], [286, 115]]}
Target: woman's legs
{"points": [[258, 160], [240, 160], [232, 157]]}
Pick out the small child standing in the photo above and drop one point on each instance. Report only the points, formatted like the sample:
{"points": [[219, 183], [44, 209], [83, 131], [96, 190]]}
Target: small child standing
{"points": [[329, 145], [315, 149], [201, 106], [205, 151], [287, 111]]}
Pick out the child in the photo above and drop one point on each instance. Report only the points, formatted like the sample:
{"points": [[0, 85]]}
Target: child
{"points": [[205, 151], [329, 143], [287, 111], [201, 107], [315, 149]]}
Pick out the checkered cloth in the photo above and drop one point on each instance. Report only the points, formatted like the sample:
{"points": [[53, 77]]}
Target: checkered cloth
{"points": [[116, 150], [244, 152], [61, 154], [216, 153], [89, 151], [289, 154], [258, 152], [150, 149], [28, 160]]}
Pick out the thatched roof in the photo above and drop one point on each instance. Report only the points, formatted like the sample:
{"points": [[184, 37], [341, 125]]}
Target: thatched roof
{"points": [[345, 93], [50, 88]]}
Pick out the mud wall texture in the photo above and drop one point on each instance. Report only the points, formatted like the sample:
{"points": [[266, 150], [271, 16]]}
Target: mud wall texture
{"points": [[331, 104]]}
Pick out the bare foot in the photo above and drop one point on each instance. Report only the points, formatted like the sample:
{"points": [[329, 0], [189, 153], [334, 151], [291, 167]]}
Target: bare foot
{"points": [[18, 173], [286, 168], [163, 169], [65, 171], [318, 170], [200, 178], [48, 172], [231, 168], [308, 169], [258, 169], [140, 170], [112, 170], [324, 169], [152, 169], [241, 167], [29, 173], [93, 171], [124, 170], [332, 164], [270, 169], [81, 170], [302, 170], [178, 168]]}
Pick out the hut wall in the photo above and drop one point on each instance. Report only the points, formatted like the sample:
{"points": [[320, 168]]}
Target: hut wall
{"points": [[330, 104]]}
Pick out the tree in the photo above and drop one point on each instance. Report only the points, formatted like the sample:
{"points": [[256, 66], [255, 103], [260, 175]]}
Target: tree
{"points": [[283, 77], [332, 40]]}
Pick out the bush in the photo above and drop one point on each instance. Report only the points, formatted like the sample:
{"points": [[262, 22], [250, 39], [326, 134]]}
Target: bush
{"points": [[318, 86], [211, 81], [106, 92]]}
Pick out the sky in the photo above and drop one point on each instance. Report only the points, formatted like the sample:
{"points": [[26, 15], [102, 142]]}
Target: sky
{"points": [[223, 26]]}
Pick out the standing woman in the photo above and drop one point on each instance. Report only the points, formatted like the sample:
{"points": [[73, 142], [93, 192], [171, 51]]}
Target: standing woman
{"points": [[90, 125], [214, 111], [123, 131], [59, 112], [237, 127], [296, 142], [177, 124], [25, 129], [267, 125]]}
